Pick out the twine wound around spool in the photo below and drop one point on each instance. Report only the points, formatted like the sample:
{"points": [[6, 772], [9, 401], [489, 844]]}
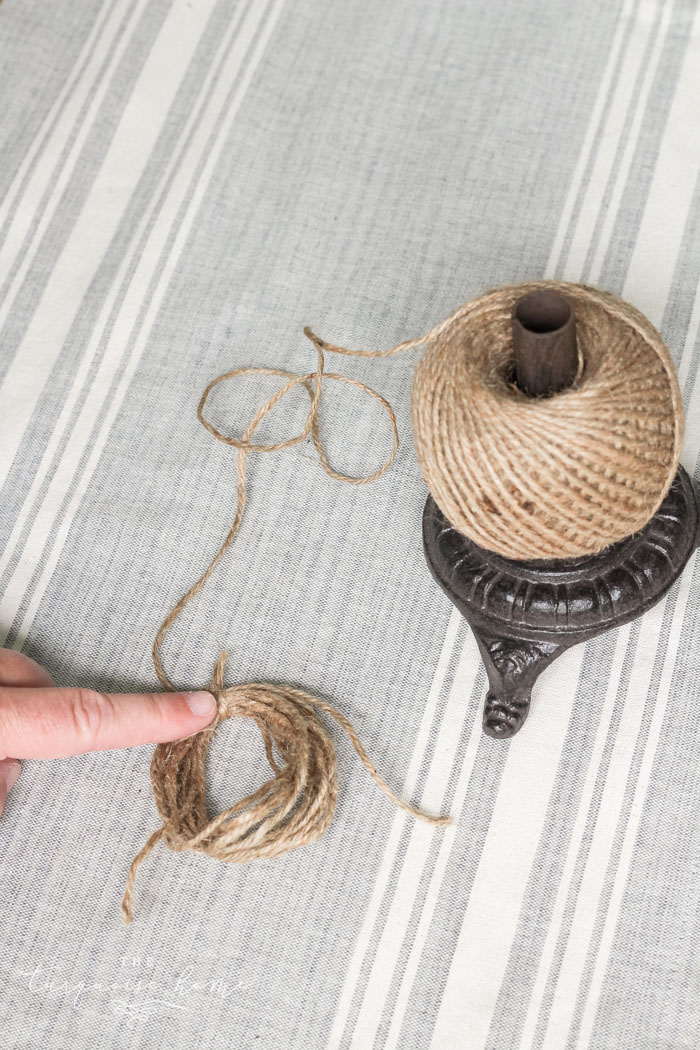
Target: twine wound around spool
{"points": [[556, 477], [538, 478]]}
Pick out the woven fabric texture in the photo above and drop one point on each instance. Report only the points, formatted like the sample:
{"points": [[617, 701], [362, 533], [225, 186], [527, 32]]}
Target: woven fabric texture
{"points": [[185, 185]]}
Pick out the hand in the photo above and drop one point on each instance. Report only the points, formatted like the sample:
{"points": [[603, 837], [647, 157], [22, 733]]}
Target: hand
{"points": [[37, 720]]}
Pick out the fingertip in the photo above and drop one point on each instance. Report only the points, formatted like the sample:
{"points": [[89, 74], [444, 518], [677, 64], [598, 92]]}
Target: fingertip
{"points": [[55, 723], [201, 704]]}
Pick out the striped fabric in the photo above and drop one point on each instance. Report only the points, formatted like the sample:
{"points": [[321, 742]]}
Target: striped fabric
{"points": [[184, 185]]}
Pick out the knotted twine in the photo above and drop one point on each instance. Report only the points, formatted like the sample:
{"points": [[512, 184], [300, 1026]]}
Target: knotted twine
{"points": [[526, 477]]}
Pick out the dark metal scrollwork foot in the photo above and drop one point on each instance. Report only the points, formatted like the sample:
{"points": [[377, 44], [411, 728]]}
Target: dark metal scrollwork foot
{"points": [[512, 666], [524, 614], [503, 716]]}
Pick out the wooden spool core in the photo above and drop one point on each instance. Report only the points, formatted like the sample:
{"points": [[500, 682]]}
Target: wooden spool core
{"points": [[544, 343]]}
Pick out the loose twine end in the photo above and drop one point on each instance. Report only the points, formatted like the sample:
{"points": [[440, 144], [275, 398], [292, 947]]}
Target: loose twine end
{"points": [[296, 805]]}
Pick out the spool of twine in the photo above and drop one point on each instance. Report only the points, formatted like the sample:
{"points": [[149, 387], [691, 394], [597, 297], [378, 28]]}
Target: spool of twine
{"points": [[555, 477], [526, 477]]}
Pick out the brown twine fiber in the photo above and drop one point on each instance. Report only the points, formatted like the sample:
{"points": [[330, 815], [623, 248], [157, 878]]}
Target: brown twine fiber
{"points": [[552, 477], [525, 477], [296, 805]]}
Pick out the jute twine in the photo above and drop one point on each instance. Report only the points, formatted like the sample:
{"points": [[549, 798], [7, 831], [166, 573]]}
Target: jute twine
{"points": [[525, 477], [554, 477], [295, 806]]}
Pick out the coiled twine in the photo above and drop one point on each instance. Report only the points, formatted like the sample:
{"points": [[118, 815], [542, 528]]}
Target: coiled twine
{"points": [[296, 805], [553, 477]]}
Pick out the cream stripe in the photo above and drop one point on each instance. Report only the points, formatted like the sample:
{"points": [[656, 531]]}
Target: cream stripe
{"points": [[623, 104], [491, 919], [690, 340], [588, 899], [620, 179], [691, 445], [671, 192], [364, 937], [589, 138], [99, 219], [421, 841], [637, 809], [142, 269], [251, 24], [577, 832], [48, 176], [609, 811], [423, 928], [446, 844]]}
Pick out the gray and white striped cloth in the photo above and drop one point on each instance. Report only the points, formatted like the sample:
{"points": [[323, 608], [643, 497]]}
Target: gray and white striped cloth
{"points": [[184, 186]]}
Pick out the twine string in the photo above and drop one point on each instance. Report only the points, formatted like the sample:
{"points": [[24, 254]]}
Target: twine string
{"points": [[296, 805], [525, 477]]}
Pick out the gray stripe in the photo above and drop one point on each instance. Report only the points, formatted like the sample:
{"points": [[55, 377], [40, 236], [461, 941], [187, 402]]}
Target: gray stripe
{"points": [[62, 223], [510, 1013], [60, 161], [389, 162], [636, 191], [54, 395], [561, 262]]}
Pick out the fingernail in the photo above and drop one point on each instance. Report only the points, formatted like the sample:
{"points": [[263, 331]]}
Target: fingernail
{"points": [[9, 771], [201, 704]]}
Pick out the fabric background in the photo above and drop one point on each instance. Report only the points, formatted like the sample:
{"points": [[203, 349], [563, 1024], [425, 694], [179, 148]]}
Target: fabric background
{"points": [[184, 186]]}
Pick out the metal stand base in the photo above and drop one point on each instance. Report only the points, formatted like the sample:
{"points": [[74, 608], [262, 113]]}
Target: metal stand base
{"points": [[525, 613]]}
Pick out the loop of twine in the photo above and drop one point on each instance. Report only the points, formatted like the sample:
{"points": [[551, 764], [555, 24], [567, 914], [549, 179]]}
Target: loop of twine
{"points": [[295, 806]]}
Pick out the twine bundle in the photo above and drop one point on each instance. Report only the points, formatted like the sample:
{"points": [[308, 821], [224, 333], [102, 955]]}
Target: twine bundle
{"points": [[525, 477], [296, 805]]}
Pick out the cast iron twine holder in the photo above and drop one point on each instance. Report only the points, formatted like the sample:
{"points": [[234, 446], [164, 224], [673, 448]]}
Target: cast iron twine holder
{"points": [[524, 614]]}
